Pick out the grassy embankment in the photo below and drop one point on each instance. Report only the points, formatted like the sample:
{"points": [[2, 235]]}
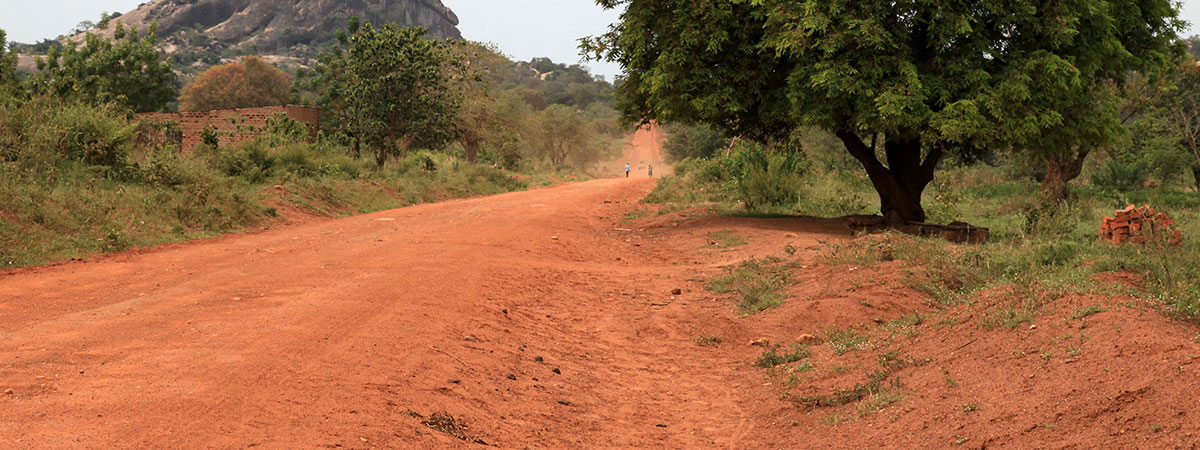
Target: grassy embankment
{"points": [[79, 180], [1034, 245], [1044, 265]]}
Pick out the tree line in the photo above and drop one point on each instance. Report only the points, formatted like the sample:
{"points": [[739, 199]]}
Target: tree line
{"points": [[383, 89]]}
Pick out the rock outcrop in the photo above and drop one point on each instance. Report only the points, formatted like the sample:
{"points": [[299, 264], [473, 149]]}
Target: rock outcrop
{"points": [[205, 32]]}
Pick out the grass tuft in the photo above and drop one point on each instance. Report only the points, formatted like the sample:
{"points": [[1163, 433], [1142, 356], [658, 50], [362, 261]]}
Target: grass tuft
{"points": [[759, 282]]}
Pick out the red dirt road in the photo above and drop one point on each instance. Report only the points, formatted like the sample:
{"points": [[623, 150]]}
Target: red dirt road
{"points": [[331, 334], [327, 333]]}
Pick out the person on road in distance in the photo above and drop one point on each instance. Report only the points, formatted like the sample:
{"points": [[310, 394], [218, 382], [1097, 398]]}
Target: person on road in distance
{"points": [[626, 170], [650, 168]]}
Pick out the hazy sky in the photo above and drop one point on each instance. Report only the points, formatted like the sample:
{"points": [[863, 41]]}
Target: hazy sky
{"points": [[522, 29]]}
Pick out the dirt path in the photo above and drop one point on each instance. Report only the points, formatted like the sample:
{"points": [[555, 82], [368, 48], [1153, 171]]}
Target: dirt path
{"points": [[533, 317], [643, 149], [542, 319]]}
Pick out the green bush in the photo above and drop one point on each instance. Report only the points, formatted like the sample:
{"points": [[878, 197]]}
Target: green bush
{"points": [[296, 159], [1120, 176], [766, 178], [44, 132], [774, 185], [249, 161]]}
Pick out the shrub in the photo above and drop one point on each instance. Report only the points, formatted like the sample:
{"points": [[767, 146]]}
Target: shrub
{"points": [[249, 161], [766, 178], [1120, 176], [774, 185]]}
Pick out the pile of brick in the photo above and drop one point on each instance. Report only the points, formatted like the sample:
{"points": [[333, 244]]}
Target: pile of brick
{"points": [[1140, 225]]}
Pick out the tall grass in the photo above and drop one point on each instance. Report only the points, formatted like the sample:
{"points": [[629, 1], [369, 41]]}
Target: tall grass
{"points": [[76, 180]]}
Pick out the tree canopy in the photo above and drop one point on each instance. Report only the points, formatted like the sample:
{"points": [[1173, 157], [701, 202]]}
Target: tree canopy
{"points": [[127, 69], [920, 77], [395, 93], [248, 83]]}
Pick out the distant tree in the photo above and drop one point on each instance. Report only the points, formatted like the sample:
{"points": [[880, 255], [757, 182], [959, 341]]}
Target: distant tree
{"points": [[916, 80], [563, 136], [693, 141], [396, 94], [512, 127], [474, 77], [1180, 111], [325, 87], [245, 84], [535, 98], [84, 27], [127, 69], [8, 63], [560, 127], [1194, 47]]}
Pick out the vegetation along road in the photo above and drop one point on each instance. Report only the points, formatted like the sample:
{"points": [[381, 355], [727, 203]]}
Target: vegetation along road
{"points": [[557, 318]]}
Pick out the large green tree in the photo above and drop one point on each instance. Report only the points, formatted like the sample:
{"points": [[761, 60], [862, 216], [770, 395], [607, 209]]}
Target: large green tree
{"points": [[128, 69], [396, 95], [900, 83], [475, 76]]}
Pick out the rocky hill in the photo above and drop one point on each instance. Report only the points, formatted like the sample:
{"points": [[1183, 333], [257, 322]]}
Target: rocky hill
{"points": [[200, 33]]}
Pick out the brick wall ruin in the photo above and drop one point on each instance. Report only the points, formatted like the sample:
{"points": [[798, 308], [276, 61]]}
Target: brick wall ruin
{"points": [[233, 126]]}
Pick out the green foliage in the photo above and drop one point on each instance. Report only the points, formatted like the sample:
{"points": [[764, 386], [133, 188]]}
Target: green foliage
{"points": [[843, 340], [128, 70], [8, 65], [500, 114], [40, 132], [1120, 176], [565, 135], [709, 340], [693, 141], [395, 93], [78, 179], [770, 179], [1179, 110], [770, 358], [925, 78], [249, 161], [760, 283], [726, 239]]}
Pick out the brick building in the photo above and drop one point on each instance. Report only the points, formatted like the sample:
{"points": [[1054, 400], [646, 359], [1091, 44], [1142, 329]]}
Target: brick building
{"points": [[233, 126]]}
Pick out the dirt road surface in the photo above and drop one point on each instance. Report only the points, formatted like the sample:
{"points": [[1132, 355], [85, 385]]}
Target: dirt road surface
{"points": [[538, 319], [532, 317], [326, 333]]}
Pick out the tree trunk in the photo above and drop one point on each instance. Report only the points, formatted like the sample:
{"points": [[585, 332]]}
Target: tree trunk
{"points": [[471, 144], [1196, 176], [1059, 173], [900, 183], [1054, 185], [380, 157]]}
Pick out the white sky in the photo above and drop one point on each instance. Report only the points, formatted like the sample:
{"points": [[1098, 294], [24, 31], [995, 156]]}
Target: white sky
{"points": [[522, 29]]}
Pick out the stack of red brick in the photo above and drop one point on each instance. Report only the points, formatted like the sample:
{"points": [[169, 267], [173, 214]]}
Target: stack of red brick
{"points": [[1140, 225]]}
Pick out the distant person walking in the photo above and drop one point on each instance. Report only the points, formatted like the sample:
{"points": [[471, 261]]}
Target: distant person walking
{"points": [[626, 170], [651, 169]]}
